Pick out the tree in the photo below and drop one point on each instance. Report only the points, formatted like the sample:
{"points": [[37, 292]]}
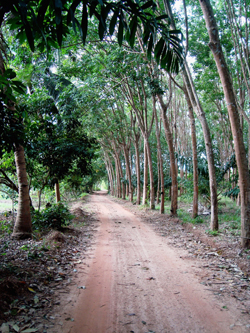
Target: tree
{"points": [[10, 122], [193, 97], [226, 80], [45, 24]]}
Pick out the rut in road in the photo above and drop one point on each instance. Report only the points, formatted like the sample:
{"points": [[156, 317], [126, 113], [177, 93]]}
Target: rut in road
{"points": [[137, 283]]}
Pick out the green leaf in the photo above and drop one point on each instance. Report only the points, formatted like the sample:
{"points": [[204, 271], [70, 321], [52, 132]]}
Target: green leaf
{"points": [[30, 37], [71, 11], [42, 10], [21, 36], [158, 49], [162, 17], [59, 33], [9, 73], [84, 23], [101, 30], [148, 4], [58, 11], [145, 37], [120, 32], [133, 28], [113, 23], [150, 46]]}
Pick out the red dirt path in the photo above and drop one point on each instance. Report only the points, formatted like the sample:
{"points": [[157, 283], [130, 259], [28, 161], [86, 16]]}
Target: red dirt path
{"points": [[136, 283]]}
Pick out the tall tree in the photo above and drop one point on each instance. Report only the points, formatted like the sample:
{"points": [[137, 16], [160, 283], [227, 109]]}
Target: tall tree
{"points": [[192, 94], [226, 80]]}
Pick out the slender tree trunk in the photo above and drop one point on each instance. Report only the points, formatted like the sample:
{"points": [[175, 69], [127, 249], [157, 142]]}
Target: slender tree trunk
{"points": [[145, 178], [240, 152], [118, 179], [23, 226], [57, 191], [117, 171], [195, 159], [138, 173], [128, 169], [151, 175], [214, 225], [207, 138], [169, 138], [39, 199], [162, 191], [158, 181], [109, 171], [121, 187]]}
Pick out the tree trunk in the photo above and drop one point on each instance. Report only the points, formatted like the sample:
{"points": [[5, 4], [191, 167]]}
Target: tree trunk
{"points": [[138, 173], [214, 225], [128, 171], [207, 138], [106, 161], [162, 191], [145, 178], [151, 175], [23, 226], [195, 159], [169, 138], [240, 152], [57, 191]]}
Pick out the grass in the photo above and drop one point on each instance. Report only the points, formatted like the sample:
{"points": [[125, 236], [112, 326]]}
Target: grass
{"points": [[187, 218]]}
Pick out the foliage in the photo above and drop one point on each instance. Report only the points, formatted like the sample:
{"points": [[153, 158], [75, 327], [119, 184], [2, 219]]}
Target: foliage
{"points": [[48, 22], [186, 217], [6, 227], [213, 232], [55, 217]]}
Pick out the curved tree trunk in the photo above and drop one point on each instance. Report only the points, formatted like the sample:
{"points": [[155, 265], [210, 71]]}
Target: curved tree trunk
{"points": [[23, 226], [240, 152]]}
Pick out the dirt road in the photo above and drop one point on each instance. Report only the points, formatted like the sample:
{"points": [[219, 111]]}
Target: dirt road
{"points": [[134, 282]]}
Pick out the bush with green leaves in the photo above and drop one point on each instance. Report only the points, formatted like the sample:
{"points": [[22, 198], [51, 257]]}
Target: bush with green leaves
{"points": [[53, 217]]}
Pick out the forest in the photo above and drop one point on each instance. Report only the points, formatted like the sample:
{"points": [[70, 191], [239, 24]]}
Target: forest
{"points": [[148, 99]]}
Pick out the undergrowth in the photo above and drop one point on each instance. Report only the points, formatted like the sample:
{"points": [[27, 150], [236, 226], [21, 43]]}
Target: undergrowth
{"points": [[54, 217]]}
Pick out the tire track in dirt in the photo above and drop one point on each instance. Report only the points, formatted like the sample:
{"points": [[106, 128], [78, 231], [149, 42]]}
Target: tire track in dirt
{"points": [[136, 283]]}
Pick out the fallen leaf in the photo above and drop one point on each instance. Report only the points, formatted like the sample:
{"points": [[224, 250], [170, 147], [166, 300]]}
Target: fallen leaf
{"points": [[31, 290], [5, 328], [16, 328]]}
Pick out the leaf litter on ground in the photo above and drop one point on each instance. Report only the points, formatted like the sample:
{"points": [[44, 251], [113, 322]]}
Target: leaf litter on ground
{"points": [[31, 271]]}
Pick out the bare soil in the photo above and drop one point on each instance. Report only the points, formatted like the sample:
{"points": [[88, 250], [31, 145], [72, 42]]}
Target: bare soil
{"points": [[149, 273]]}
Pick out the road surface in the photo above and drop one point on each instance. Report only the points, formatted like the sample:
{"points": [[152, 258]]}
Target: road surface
{"points": [[136, 283]]}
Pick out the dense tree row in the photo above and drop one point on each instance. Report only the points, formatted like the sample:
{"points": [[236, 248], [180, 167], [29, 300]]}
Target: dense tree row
{"points": [[161, 133]]}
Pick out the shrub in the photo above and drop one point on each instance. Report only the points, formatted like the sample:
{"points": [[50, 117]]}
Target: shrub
{"points": [[54, 217]]}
